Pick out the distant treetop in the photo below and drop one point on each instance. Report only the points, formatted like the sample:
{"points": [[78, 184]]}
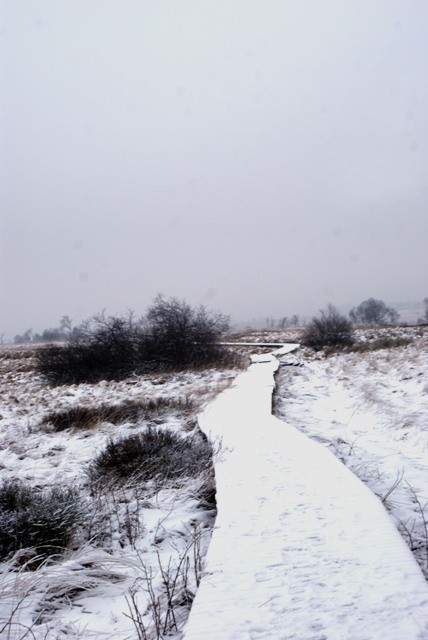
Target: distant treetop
{"points": [[373, 311]]}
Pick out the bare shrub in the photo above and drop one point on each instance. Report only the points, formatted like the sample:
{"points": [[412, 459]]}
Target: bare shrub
{"points": [[41, 520], [180, 335], [154, 454], [172, 336], [106, 349], [329, 330], [169, 602], [117, 515]]}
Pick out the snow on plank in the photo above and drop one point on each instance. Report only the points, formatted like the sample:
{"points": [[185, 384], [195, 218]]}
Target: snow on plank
{"points": [[302, 550]]}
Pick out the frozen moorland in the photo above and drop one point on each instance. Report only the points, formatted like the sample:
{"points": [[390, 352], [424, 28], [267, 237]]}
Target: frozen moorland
{"points": [[135, 560], [301, 549]]}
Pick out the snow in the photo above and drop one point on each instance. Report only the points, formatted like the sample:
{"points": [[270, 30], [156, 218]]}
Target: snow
{"points": [[370, 409], [134, 533], [301, 547]]}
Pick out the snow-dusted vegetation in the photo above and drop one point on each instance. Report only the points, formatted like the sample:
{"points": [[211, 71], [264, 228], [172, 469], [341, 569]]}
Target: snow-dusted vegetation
{"points": [[131, 557]]}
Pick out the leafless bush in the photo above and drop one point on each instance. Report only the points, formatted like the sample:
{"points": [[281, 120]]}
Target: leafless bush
{"points": [[329, 330], [155, 454], [106, 349], [181, 336], [168, 602], [172, 336], [117, 515]]}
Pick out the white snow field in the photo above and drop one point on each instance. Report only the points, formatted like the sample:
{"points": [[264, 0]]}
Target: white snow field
{"points": [[301, 549]]}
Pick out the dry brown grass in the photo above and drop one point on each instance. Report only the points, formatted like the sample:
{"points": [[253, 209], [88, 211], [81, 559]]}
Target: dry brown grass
{"points": [[290, 334], [376, 344], [85, 417], [17, 359]]}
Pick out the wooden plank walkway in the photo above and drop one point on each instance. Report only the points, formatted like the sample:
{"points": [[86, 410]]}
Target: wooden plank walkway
{"points": [[302, 550]]}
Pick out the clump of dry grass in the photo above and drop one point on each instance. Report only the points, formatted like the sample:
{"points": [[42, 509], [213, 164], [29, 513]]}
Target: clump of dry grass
{"points": [[43, 521], [383, 342], [154, 454], [372, 344], [17, 360], [85, 417]]}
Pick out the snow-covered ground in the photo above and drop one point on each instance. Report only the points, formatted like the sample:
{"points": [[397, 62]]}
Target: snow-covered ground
{"points": [[113, 580], [301, 549], [371, 410]]}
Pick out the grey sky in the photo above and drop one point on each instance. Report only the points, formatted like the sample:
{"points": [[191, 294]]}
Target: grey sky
{"points": [[260, 157]]}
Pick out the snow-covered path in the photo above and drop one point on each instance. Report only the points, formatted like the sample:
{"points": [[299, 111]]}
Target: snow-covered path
{"points": [[302, 549]]}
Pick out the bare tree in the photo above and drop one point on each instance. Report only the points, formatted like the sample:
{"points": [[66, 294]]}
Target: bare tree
{"points": [[373, 311]]}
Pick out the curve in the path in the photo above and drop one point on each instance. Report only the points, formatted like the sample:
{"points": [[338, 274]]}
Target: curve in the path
{"points": [[301, 550]]}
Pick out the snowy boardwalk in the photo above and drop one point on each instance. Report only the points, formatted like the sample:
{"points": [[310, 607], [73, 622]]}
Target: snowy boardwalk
{"points": [[302, 550]]}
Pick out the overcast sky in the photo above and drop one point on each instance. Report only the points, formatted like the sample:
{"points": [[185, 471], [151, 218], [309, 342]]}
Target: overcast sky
{"points": [[261, 157]]}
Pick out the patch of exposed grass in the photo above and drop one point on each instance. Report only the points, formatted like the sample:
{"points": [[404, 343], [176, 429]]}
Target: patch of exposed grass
{"points": [[13, 360], [373, 344], [384, 342], [85, 417]]}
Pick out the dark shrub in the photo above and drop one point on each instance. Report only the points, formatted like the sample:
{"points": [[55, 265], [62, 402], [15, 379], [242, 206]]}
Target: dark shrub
{"points": [[329, 330], [172, 336], [107, 349], [41, 520], [180, 336], [154, 454]]}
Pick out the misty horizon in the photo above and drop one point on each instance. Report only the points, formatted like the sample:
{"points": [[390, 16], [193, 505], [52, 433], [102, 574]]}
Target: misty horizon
{"points": [[261, 160], [408, 313]]}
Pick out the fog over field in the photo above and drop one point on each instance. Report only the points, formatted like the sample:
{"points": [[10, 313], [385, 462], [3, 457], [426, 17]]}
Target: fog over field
{"points": [[262, 158]]}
